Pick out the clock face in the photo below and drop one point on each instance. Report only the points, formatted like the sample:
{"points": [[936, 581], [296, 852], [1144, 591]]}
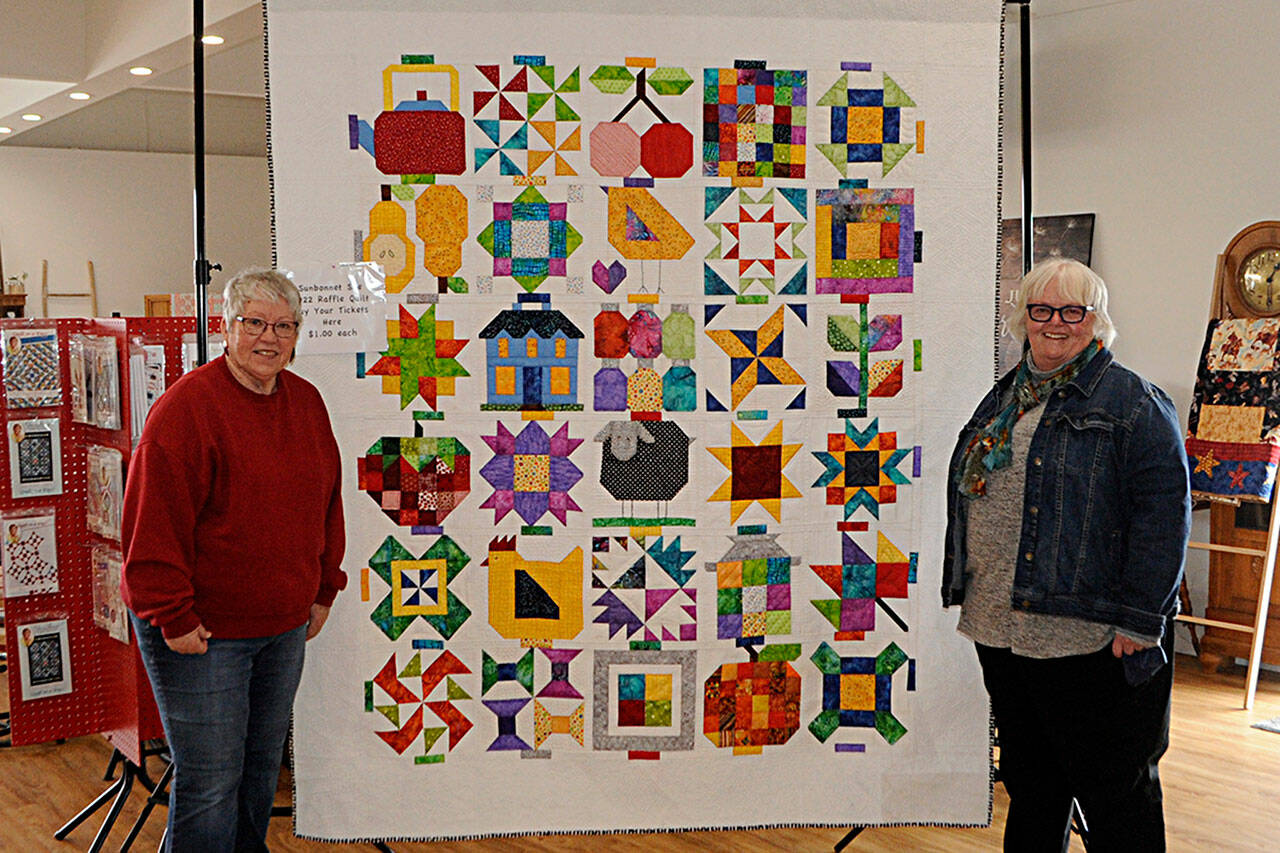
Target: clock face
{"points": [[1259, 281]]}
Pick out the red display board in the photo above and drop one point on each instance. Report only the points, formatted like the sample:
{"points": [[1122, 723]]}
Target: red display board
{"points": [[110, 693]]}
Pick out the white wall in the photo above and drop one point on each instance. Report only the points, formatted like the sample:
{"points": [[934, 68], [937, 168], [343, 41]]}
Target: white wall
{"points": [[131, 214], [1160, 117]]}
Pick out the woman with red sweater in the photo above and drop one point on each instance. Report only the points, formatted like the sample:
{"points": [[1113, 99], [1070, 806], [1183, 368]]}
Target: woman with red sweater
{"points": [[234, 537]]}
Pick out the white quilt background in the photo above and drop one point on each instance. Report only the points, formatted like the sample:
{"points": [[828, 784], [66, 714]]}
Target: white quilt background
{"points": [[325, 61]]}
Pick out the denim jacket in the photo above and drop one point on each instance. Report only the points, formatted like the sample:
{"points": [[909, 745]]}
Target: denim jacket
{"points": [[1106, 508]]}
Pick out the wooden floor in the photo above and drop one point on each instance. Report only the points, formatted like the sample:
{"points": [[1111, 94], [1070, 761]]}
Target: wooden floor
{"points": [[1221, 784]]}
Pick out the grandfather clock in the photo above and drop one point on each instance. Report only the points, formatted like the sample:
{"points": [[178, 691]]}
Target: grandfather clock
{"points": [[1246, 286]]}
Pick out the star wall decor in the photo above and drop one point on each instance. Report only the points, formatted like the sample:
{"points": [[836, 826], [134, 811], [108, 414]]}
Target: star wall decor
{"points": [[531, 473], [862, 468], [755, 357], [420, 358], [755, 472]]}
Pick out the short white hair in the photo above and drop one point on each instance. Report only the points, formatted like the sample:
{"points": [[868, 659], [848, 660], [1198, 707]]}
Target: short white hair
{"points": [[266, 285], [1077, 283]]}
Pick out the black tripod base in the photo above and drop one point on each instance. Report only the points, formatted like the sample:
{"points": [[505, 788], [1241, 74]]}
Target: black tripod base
{"points": [[848, 838]]}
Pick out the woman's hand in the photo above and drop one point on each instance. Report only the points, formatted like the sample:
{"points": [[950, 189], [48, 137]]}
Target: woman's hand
{"points": [[1123, 645], [319, 613], [194, 643]]}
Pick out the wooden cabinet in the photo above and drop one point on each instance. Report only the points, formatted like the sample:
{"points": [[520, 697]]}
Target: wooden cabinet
{"points": [[1233, 585]]}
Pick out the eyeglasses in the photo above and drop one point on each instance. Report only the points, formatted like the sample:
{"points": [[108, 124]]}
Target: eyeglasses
{"points": [[1070, 314], [256, 326]]}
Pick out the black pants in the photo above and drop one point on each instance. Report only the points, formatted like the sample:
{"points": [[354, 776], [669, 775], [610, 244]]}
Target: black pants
{"points": [[1074, 727]]}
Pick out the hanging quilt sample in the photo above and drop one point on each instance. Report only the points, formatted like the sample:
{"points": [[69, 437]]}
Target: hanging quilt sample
{"points": [[1233, 431], [685, 305]]}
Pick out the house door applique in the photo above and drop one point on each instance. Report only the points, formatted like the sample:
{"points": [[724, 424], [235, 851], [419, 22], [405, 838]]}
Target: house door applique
{"points": [[532, 387]]}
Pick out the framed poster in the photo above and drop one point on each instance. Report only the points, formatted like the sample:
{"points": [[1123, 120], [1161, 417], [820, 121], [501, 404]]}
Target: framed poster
{"points": [[35, 457], [44, 659], [31, 368], [1069, 236], [30, 554]]}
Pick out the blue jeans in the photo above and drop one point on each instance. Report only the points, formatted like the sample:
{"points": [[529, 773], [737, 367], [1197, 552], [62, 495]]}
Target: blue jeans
{"points": [[226, 715]]}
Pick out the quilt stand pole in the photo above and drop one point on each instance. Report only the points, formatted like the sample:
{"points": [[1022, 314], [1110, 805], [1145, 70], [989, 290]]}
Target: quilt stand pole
{"points": [[203, 268], [844, 842]]}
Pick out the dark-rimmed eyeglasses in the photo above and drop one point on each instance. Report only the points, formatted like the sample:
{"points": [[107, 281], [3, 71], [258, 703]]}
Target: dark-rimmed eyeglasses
{"points": [[255, 326], [1069, 314]]}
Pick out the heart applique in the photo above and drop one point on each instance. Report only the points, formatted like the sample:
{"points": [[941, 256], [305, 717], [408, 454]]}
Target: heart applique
{"points": [[608, 278]]}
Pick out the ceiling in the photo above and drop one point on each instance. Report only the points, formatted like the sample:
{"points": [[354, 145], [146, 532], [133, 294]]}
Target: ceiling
{"points": [[40, 66], [51, 48]]}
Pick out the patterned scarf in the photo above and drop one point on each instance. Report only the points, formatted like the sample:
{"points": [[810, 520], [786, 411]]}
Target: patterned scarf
{"points": [[991, 446]]}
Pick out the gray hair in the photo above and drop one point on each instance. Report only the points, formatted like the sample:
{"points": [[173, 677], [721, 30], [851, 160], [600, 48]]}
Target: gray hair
{"points": [[259, 283], [1077, 283]]}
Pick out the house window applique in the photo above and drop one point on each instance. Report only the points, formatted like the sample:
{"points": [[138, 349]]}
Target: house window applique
{"points": [[504, 380], [561, 380], [541, 375]]}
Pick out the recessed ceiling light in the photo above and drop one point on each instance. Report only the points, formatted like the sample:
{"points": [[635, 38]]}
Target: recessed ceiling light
{"points": [[139, 71], [79, 96], [212, 39], [6, 130], [31, 117]]}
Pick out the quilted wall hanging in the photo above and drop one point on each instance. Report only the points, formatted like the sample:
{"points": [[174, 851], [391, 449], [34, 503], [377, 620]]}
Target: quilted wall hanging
{"points": [[645, 484], [1233, 431]]}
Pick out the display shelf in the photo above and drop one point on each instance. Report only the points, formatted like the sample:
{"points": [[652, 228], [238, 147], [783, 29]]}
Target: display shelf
{"points": [[109, 689]]}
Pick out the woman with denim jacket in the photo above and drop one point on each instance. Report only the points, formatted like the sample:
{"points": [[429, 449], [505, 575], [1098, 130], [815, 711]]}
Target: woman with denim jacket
{"points": [[1068, 515]]}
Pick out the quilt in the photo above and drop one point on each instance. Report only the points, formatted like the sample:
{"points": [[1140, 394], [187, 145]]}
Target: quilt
{"points": [[1233, 430], [684, 306]]}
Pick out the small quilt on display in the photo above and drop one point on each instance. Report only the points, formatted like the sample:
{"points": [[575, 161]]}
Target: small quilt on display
{"points": [[1233, 431]]}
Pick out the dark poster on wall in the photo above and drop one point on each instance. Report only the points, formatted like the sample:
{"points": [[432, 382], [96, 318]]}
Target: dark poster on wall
{"points": [[1069, 236]]}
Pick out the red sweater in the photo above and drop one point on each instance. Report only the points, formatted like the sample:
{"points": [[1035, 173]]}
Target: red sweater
{"points": [[233, 508]]}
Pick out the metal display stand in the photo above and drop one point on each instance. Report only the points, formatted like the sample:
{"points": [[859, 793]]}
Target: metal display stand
{"points": [[117, 794]]}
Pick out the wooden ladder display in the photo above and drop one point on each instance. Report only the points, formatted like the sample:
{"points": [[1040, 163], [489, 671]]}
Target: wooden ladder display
{"points": [[1259, 627], [45, 294], [1222, 308]]}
